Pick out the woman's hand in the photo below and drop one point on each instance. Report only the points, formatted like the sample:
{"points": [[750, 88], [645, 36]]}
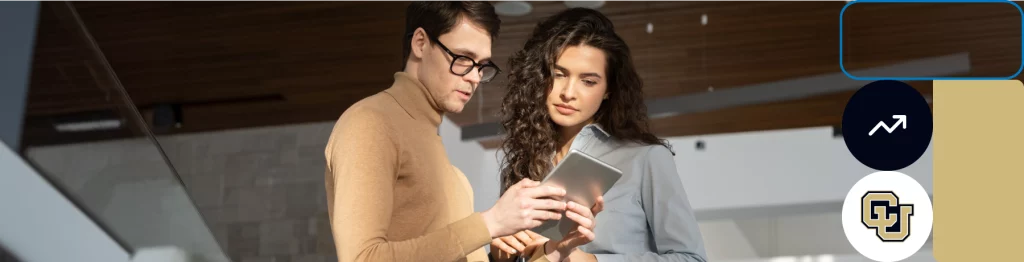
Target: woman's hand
{"points": [[584, 233], [507, 247]]}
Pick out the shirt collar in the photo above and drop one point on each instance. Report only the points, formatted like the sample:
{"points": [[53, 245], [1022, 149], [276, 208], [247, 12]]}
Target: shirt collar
{"points": [[595, 128], [415, 99], [591, 133]]}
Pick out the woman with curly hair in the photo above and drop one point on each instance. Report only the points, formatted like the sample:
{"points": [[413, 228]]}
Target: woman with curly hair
{"points": [[574, 86]]}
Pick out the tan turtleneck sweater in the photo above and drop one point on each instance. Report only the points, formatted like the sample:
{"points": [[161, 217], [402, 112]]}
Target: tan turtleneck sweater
{"points": [[392, 193]]}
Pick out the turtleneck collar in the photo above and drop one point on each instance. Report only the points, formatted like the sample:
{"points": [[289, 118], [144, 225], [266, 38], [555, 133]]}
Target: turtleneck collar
{"points": [[414, 97]]}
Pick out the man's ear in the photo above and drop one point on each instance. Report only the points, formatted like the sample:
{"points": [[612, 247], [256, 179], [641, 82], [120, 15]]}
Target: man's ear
{"points": [[420, 43]]}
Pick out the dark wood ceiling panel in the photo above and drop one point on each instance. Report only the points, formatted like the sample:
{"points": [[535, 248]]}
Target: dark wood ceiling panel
{"points": [[884, 33], [247, 64]]}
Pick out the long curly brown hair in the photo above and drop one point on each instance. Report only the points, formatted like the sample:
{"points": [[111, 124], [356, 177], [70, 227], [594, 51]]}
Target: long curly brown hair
{"points": [[531, 135]]}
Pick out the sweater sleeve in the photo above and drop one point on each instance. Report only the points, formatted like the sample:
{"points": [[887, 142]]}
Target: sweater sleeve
{"points": [[362, 168]]}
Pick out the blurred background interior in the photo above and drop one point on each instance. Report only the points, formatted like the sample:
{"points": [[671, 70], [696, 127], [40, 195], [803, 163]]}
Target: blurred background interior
{"points": [[196, 129]]}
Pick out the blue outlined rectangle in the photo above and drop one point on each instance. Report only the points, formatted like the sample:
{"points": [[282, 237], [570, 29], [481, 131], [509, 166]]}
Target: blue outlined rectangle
{"points": [[842, 67]]}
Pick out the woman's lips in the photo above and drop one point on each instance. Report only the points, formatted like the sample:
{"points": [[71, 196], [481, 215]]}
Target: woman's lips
{"points": [[565, 109]]}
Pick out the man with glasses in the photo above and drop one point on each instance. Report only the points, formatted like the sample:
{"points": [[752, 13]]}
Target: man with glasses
{"points": [[392, 193]]}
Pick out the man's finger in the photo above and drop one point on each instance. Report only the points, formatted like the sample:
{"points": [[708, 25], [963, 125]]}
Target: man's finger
{"points": [[548, 204], [534, 223], [543, 192], [527, 183], [542, 215]]}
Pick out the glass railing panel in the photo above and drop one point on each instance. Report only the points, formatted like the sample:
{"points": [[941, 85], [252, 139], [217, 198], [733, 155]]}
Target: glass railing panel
{"points": [[83, 133]]}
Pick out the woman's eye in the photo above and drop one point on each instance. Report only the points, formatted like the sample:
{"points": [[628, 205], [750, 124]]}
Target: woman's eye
{"points": [[589, 82]]}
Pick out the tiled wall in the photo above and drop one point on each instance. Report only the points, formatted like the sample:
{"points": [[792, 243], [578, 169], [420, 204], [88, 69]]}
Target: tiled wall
{"points": [[260, 190]]}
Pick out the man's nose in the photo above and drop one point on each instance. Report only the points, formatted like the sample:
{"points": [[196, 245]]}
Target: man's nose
{"points": [[473, 76]]}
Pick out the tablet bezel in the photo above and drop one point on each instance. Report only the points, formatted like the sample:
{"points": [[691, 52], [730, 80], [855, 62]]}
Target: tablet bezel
{"points": [[596, 172]]}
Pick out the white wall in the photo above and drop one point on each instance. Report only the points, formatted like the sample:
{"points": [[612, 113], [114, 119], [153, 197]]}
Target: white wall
{"points": [[783, 167], [40, 224], [724, 239]]}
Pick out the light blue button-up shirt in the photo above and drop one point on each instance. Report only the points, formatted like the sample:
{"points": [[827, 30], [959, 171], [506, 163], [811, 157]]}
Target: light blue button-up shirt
{"points": [[647, 216]]}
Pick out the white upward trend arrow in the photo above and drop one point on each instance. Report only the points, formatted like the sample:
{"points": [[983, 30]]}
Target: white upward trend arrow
{"points": [[902, 119]]}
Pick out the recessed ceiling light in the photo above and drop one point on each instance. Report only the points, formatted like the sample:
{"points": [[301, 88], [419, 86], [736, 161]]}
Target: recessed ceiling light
{"points": [[88, 125], [585, 4], [513, 8]]}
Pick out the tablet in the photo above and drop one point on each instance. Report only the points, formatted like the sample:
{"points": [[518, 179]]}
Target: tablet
{"points": [[584, 178]]}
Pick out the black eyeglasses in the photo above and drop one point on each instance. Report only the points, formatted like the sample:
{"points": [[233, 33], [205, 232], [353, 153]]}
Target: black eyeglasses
{"points": [[462, 65]]}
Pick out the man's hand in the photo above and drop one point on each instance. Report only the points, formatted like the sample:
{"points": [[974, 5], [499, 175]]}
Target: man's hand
{"points": [[584, 233], [524, 205]]}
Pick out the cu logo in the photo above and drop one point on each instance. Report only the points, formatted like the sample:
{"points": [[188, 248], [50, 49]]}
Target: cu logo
{"points": [[883, 212]]}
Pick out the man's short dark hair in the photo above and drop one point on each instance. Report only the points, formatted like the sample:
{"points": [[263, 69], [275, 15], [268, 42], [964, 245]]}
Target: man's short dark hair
{"points": [[438, 18]]}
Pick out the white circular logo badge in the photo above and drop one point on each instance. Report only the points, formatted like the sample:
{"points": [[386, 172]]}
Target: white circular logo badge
{"points": [[887, 216]]}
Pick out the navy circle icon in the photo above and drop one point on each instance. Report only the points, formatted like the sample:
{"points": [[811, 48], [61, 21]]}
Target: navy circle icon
{"points": [[887, 125]]}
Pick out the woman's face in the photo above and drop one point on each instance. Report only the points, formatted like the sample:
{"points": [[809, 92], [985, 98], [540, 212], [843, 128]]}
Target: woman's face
{"points": [[580, 84]]}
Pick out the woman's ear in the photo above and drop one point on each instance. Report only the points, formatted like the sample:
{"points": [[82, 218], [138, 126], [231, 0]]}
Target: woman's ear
{"points": [[605, 96], [420, 43]]}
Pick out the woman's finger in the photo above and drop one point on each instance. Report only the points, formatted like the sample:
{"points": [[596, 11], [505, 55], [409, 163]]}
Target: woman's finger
{"points": [[598, 206], [514, 243], [580, 219], [587, 234], [579, 209], [535, 236], [523, 238], [504, 247]]}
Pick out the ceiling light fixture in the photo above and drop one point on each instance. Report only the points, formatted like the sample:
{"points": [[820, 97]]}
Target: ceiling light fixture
{"points": [[585, 4], [513, 8], [88, 126], [87, 121]]}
